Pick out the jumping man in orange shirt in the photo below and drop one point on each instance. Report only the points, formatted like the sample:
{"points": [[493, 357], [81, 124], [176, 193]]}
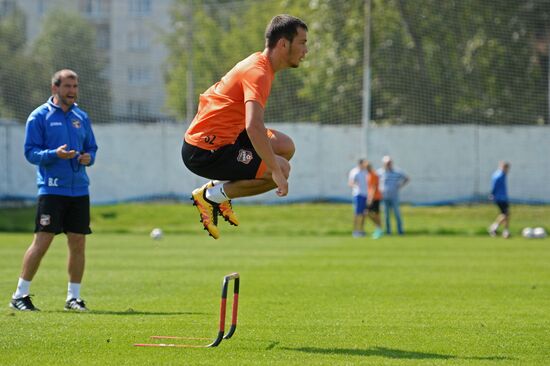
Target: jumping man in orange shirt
{"points": [[227, 140]]}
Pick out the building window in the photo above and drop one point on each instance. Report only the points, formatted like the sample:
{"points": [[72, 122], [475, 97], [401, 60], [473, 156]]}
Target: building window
{"points": [[95, 8], [138, 41], [140, 7], [41, 7], [137, 108], [139, 75], [103, 38], [7, 7]]}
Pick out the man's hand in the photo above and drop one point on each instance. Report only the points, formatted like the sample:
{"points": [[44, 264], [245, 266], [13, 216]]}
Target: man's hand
{"points": [[257, 133], [84, 158], [281, 182], [62, 153]]}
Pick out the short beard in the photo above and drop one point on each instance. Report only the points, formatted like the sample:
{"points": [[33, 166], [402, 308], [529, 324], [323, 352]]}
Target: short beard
{"points": [[294, 66]]}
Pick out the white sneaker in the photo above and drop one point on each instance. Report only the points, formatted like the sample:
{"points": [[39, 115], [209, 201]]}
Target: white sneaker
{"points": [[75, 304], [358, 234]]}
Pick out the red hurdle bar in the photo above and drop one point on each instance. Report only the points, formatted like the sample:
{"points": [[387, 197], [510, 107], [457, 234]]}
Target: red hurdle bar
{"points": [[223, 309]]}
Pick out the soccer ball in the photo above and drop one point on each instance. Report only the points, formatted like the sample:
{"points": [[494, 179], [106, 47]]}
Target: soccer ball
{"points": [[527, 232], [156, 234], [539, 233]]}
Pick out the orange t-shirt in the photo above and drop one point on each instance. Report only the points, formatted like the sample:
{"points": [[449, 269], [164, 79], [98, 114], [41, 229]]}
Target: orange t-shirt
{"points": [[373, 191], [221, 113]]}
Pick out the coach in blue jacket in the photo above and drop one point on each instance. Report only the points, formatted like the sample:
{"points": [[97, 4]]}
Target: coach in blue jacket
{"points": [[59, 140]]}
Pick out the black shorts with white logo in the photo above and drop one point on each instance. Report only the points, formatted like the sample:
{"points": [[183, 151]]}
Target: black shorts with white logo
{"points": [[57, 214], [230, 162]]}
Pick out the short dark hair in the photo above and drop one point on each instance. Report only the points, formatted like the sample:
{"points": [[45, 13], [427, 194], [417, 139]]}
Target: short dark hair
{"points": [[282, 26], [65, 73]]}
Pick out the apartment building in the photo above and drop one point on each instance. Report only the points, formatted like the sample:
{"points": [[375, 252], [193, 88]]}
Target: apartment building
{"points": [[128, 35]]}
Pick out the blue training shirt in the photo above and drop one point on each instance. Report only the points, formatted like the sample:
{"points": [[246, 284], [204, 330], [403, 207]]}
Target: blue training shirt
{"points": [[499, 191], [49, 127]]}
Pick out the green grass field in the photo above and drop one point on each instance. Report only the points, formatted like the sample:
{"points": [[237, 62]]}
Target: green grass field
{"points": [[444, 294]]}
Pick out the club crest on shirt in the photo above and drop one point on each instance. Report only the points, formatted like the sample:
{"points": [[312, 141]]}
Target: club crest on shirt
{"points": [[245, 156], [76, 123], [44, 220]]}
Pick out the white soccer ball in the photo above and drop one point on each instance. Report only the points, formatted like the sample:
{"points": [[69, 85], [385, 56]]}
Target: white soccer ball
{"points": [[539, 233], [527, 232], [156, 234]]}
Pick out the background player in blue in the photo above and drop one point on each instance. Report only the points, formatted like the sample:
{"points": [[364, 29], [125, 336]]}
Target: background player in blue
{"points": [[357, 180], [499, 194], [59, 140]]}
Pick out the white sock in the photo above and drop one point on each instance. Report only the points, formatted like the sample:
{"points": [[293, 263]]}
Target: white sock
{"points": [[73, 291], [494, 227], [218, 182], [216, 194], [22, 288]]}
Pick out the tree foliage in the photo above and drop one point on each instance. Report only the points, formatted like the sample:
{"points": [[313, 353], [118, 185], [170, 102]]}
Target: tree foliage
{"points": [[432, 61], [68, 41], [17, 70], [456, 61], [220, 38]]}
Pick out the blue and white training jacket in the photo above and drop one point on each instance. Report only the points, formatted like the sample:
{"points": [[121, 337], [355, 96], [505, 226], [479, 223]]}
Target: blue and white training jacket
{"points": [[49, 127]]}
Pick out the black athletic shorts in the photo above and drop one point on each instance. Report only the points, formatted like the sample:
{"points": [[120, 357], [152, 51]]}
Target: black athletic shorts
{"points": [[504, 206], [57, 214], [230, 162], [374, 206]]}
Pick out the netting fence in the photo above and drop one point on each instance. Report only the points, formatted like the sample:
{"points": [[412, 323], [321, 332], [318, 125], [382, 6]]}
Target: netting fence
{"points": [[430, 61]]}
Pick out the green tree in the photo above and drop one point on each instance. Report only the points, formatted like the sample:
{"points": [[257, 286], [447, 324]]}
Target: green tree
{"points": [[194, 47], [213, 37], [17, 70], [455, 61], [68, 41], [432, 61], [333, 79]]}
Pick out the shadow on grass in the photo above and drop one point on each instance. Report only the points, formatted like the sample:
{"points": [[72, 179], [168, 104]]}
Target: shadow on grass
{"points": [[272, 345], [129, 312], [441, 231], [391, 353]]}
